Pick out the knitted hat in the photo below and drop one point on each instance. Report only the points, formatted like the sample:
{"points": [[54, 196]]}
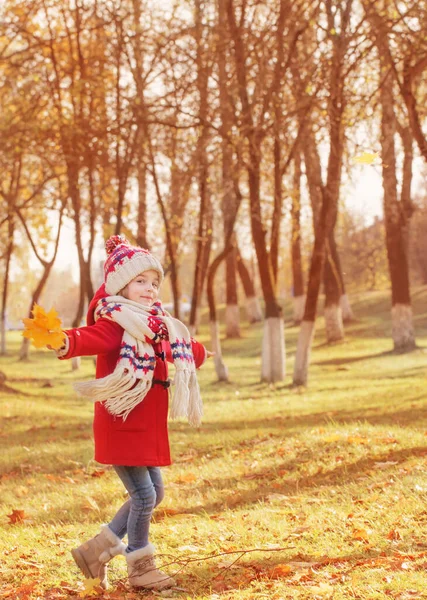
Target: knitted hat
{"points": [[125, 262]]}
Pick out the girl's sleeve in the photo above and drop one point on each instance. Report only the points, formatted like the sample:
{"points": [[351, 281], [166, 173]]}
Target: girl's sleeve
{"points": [[91, 340], [199, 352]]}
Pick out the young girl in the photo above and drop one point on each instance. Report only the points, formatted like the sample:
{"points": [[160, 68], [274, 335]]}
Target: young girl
{"points": [[132, 337]]}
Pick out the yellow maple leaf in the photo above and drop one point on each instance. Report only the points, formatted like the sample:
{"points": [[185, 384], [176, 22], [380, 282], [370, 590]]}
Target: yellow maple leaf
{"points": [[92, 587], [366, 158], [44, 328]]}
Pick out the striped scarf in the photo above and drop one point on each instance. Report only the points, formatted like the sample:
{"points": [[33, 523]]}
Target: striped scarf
{"points": [[132, 377]]}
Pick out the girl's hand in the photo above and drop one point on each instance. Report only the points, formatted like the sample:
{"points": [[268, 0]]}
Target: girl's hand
{"points": [[209, 354]]}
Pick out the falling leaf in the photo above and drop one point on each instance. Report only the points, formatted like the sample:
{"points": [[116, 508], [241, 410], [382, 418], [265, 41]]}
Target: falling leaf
{"points": [[17, 516], [366, 158], [44, 328]]}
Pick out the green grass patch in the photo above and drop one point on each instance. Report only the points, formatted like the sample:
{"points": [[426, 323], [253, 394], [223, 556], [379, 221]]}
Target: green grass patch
{"points": [[282, 493]]}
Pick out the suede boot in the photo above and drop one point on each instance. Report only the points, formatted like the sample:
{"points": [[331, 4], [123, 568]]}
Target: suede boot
{"points": [[142, 571], [92, 556]]}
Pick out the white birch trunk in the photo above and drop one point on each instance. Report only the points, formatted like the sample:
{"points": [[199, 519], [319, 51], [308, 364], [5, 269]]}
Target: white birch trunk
{"points": [[193, 329], [347, 313], [273, 350], [302, 355], [220, 367], [253, 309], [232, 321], [75, 363], [333, 323], [299, 306], [402, 327]]}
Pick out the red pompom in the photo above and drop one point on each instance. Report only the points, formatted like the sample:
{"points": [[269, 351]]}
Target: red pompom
{"points": [[114, 241]]}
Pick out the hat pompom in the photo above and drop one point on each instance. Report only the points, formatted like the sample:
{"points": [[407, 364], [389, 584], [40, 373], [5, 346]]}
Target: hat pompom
{"points": [[114, 241]]}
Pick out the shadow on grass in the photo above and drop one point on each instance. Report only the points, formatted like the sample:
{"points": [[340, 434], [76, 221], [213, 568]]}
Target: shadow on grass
{"points": [[404, 417], [341, 474]]}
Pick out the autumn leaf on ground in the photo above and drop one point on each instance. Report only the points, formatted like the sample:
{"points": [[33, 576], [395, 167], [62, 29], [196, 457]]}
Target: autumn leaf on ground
{"points": [[366, 158], [394, 534], [360, 534], [92, 588], [44, 328], [17, 516], [280, 571]]}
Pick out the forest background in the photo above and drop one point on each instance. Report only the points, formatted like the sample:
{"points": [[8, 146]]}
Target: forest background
{"points": [[219, 134]]}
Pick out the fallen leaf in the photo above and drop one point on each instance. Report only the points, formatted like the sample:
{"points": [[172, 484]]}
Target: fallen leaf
{"points": [[360, 534], [324, 590], [98, 473], [394, 534], [17, 516], [90, 504], [279, 571], [187, 478], [91, 588], [357, 439]]}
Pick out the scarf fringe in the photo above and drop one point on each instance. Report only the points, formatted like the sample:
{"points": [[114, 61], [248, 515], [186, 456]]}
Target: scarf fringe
{"points": [[195, 412], [123, 390], [181, 396]]}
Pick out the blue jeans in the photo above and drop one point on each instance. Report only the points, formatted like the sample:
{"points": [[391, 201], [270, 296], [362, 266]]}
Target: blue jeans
{"points": [[146, 491]]}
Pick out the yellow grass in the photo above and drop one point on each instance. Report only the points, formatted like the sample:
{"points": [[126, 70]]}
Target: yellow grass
{"points": [[282, 493]]}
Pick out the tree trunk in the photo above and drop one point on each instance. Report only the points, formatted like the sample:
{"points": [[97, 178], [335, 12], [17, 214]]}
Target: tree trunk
{"points": [[8, 259], [297, 274], [232, 312], [25, 345], [394, 218], [204, 236], [302, 355], [273, 358], [273, 350], [330, 192], [141, 233], [220, 366], [333, 314], [253, 308], [346, 310]]}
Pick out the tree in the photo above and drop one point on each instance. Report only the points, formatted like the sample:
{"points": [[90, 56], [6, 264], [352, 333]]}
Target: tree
{"points": [[253, 126], [339, 33]]}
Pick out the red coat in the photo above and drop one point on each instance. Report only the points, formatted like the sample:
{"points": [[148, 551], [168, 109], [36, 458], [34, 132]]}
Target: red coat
{"points": [[141, 440]]}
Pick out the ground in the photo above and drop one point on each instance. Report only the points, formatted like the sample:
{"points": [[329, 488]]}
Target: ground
{"points": [[316, 492]]}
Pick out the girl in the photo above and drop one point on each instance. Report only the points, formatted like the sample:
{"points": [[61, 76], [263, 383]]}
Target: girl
{"points": [[132, 337]]}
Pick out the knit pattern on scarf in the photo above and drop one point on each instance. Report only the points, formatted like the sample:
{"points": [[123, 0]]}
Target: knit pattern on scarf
{"points": [[132, 377]]}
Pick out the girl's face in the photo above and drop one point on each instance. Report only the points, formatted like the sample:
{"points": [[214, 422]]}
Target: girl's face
{"points": [[144, 288]]}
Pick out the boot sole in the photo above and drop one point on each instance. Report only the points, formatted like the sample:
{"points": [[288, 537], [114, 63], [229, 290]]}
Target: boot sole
{"points": [[81, 563]]}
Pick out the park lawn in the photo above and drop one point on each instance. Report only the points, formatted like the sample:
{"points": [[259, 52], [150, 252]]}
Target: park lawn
{"points": [[282, 493]]}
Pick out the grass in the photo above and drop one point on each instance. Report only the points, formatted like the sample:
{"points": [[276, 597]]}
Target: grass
{"points": [[315, 493]]}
